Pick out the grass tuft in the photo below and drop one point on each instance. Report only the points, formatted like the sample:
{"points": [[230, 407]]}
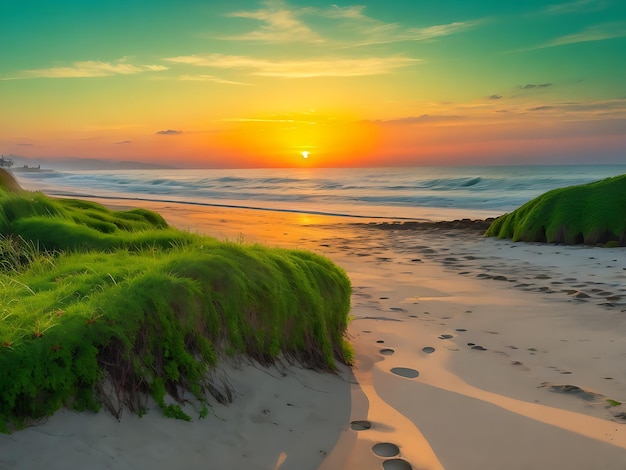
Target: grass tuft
{"points": [[103, 308], [591, 214]]}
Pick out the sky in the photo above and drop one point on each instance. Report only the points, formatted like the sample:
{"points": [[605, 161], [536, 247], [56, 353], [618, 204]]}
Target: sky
{"points": [[287, 83]]}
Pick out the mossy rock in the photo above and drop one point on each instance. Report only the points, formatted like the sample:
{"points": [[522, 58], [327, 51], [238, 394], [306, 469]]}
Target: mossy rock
{"points": [[590, 214]]}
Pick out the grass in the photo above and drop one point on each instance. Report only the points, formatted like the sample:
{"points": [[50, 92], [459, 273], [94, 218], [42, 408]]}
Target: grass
{"points": [[106, 308], [592, 214]]}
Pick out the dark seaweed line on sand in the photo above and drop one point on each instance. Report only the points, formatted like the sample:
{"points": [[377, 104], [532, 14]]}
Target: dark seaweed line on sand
{"points": [[478, 225]]}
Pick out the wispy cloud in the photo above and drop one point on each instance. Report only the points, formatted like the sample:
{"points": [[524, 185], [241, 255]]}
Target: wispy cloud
{"points": [[593, 33], [123, 142], [369, 31], [494, 97], [601, 32], [305, 68], [422, 119], [92, 68], [589, 108], [309, 117], [282, 23], [169, 132], [270, 121], [210, 78], [577, 6], [531, 86]]}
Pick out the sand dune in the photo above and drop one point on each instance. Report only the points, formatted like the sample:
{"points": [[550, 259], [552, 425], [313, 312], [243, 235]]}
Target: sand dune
{"points": [[471, 353]]}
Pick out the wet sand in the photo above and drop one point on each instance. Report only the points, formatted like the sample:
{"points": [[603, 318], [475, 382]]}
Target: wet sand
{"points": [[471, 353]]}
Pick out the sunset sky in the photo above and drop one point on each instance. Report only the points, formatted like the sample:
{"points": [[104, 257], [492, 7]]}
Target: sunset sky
{"points": [[215, 83]]}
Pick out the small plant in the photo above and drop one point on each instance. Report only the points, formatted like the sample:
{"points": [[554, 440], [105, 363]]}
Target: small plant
{"points": [[612, 402], [93, 318], [204, 411], [175, 411], [42, 325]]}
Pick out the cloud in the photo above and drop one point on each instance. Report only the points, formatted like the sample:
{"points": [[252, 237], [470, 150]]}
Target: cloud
{"points": [[283, 23], [304, 68], [210, 78], [494, 97], [599, 106], [123, 142], [577, 6], [25, 145], [169, 132], [422, 119], [280, 24], [93, 68], [373, 31], [530, 86], [601, 32], [271, 121], [615, 107]]}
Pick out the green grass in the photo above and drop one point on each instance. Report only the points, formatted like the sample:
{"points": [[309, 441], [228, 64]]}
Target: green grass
{"points": [[589, 214], [106, 308]]}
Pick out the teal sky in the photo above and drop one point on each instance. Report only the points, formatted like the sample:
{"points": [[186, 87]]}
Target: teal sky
{"points": [[353, 83]]}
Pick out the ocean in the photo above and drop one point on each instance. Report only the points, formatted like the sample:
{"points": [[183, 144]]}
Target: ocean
{"points": [[433, 193]]}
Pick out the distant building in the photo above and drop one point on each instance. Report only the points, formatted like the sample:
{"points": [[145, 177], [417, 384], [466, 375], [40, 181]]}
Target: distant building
{"points": [[5, 162]]}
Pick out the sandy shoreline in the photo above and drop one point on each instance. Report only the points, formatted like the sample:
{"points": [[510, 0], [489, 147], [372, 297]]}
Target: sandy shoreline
{"points": [[471, 353]]}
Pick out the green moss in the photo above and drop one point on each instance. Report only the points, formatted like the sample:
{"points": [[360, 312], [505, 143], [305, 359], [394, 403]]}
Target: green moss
{"points": [[101, 307], [592, 214]]}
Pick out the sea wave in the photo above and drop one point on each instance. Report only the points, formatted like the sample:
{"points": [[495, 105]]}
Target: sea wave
{"points": [[392, 191]]}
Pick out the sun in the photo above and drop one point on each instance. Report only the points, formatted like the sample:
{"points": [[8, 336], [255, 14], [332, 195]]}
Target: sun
{"points": [[305, 154]]}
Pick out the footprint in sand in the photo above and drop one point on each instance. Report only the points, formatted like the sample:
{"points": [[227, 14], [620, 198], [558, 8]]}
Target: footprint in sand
{"points": [[428, 350], [380, 341], [405, 372], [385, 449], [446, 336], [360, 425], [520, 365], [386, 351], [396, 464]]}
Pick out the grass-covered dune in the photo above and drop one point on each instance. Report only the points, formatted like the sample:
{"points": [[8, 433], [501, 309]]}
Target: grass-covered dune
{"points": [[108, 308], [591, 214]]}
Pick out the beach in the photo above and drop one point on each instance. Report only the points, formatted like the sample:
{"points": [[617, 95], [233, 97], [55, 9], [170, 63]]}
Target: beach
{"points": [[470, 353]]}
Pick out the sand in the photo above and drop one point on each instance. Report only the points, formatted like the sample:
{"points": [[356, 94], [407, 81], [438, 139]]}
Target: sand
{"points": [[471, 353]]}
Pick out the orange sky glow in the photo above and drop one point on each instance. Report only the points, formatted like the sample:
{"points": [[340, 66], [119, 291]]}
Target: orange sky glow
{"points": [[256, 83]]}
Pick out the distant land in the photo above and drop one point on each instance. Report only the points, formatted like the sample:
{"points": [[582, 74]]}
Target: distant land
{"points": [[75, 163]]}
